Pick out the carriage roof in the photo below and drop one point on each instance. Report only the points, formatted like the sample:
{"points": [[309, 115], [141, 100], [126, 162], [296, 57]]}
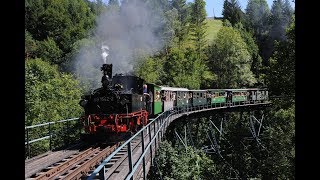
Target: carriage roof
{"points": [[173, 89]]}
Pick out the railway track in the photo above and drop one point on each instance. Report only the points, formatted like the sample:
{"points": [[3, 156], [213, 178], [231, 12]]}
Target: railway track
{"points": [[75, 166], [117, 167], [80, 165]]}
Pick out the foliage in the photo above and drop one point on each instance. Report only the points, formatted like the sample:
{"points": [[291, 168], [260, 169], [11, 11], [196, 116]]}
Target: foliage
{"points": [[149, 69], [49, 51], [184, 69], [182, 23], [63, 21], [253, 49], [173, 163], [30, 46], [281, 75], [97, 7], [49, 94], [258, 20], [232, 12], [257, 15], [281, 13], [198, 26], [230, 60], [280, 159]]}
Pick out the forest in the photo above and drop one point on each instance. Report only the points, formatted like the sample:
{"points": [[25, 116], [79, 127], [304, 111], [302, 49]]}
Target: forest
{"points": [[172, 43]]}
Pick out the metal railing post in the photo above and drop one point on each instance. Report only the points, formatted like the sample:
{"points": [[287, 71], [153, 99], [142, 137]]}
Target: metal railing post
{"points": [[79, 124], [144, 161], [28, 144], [102, 173], [154, 134], [50, 143], [130, 158], [151, 144], [66, 135]]}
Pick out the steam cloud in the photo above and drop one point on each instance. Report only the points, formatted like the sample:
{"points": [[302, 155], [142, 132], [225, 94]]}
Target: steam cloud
{"points": [[105, 53], [119, 38]]}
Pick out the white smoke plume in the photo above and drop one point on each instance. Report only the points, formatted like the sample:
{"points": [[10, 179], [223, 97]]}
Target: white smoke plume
{"points": [[105, 53], [120, 36]]}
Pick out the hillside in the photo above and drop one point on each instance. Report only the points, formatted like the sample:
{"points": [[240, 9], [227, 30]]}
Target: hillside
{"points": [[213, 26]]}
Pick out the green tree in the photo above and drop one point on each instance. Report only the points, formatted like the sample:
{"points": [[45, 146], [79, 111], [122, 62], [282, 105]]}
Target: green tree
{"points": [[49, 94], [258, 14], [278, 162], [281, 13], [97, 7], [182, 26], [232, 12], [230, 60], [187, 163], [30, 46], [183, 69], [48, 50], [149, 69], [281, 75], [65, 21], [198, 26], [253, 49], [258, 19]]}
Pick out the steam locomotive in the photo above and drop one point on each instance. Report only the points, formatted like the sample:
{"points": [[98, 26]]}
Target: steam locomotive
{"points": [[115, 110], [124, 103]]}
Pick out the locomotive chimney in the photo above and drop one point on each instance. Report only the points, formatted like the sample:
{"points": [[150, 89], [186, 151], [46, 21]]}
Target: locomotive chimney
{"points": [[107, 70], [107, 75]]}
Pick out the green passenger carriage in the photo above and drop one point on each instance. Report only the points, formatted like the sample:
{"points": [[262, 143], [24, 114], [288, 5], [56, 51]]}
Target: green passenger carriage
{"points": [[155, 104], [199, 97], [216, 96]]}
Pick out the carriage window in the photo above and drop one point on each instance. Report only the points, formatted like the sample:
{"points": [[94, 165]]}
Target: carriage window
{"points": [[157, 95], [201, 95], [184, 95], [217, 94], [190, 95]]}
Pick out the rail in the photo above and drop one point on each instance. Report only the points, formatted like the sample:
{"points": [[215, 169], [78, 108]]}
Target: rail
{"points": [[45, 135]]}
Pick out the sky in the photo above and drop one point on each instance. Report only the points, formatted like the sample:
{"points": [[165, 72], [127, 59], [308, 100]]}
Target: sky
{"points": [[217, 5]]}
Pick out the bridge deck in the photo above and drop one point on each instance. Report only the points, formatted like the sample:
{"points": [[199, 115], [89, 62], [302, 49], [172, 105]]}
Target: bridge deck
{"points": [[158, 127]]}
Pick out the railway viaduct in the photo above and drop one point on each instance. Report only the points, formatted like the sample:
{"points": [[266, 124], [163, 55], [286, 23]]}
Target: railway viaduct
{"points": [[140, 149], [133, 158]]}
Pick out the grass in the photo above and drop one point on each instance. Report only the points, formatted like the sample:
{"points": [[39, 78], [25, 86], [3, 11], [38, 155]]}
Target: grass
{"points": [[213, 26]]}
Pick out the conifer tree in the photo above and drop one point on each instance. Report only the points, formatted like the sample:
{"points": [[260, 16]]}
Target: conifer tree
{"points": [[198, 26]]}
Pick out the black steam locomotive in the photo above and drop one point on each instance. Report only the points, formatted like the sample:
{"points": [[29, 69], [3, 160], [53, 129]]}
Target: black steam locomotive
{"points": [[117, 108]]}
